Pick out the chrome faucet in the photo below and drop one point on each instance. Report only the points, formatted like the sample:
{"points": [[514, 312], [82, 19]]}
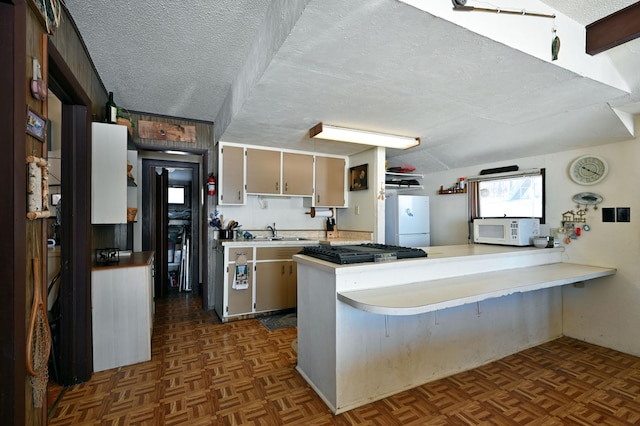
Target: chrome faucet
{"points": [[274, 231]]}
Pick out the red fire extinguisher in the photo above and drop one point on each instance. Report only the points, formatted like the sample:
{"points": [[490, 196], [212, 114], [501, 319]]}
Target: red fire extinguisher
{"points": [[211, 185]]}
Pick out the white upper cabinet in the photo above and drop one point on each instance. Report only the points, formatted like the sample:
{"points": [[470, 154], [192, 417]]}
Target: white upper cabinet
{"points": [[108, 173]]}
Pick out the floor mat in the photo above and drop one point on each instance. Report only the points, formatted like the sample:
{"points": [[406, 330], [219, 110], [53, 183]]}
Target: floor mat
{"points": [[279, 321]]}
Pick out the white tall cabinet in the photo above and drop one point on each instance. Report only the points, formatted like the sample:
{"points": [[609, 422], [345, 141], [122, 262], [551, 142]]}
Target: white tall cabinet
{"points": [[108, 173]]}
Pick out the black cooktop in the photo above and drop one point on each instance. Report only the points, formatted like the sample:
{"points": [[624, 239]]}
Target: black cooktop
{"points": [[361, 253]]}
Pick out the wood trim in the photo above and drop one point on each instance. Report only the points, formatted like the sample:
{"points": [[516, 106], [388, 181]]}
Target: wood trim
{"points": [[13, 247], [76, 356], [65, 79], [613, 30]]}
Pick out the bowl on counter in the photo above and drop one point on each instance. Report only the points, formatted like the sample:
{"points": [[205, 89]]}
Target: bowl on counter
{"points": [[543, 242]]}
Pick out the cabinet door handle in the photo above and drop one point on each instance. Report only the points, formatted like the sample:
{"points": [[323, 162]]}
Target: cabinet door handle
{"points": [[239, 196], [282, 269], [286, 187], [318, 199], [290, 269], [277, 186]]}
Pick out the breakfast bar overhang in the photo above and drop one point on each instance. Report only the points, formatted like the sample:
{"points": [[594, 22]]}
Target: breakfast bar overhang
{"points": [[370, 330]]}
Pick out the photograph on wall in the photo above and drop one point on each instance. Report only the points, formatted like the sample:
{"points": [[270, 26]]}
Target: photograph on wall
{"points": [[358, 178], [36, 125]]}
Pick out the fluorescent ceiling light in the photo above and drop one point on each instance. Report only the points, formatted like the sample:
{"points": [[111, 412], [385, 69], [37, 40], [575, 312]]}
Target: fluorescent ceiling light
{"points": [[323, 131]]}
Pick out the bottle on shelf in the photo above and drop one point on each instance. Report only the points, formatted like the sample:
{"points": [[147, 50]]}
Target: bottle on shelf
{"points": [[111, 110]]}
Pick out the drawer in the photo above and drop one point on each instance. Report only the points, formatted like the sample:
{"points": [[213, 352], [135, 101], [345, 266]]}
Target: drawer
{"points": [[277, 253], [235, 252]]}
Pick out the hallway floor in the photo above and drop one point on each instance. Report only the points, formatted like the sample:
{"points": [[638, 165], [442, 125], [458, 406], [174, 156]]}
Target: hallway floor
{"points": [[203, 372]]}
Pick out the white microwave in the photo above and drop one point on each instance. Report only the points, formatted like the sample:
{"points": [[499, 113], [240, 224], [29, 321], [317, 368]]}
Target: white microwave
{"points": [[506, 231]]}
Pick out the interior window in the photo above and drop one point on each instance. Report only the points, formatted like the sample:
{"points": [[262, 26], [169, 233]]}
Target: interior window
{"points": [[520, 195], [176, 195]]}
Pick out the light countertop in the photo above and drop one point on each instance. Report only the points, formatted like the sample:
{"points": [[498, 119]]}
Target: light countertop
{"points": [[265, 242], [435, 255]]}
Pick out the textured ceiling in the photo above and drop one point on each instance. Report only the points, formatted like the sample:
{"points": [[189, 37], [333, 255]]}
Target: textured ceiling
{"points": [[266, 71]]}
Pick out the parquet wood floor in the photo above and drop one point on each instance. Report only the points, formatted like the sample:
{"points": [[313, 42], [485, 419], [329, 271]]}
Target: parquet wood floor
{"points": [[203, 372]]}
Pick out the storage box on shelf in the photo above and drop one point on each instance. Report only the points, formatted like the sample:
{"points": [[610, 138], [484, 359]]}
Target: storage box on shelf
{"points": [[403, 181]]}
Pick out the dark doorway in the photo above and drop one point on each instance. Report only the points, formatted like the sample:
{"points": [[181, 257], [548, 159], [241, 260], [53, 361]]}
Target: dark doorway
{"points": [[170, 227]]}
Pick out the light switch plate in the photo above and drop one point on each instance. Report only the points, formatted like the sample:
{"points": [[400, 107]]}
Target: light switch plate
{"points": [[608, 214], [623, 214]]}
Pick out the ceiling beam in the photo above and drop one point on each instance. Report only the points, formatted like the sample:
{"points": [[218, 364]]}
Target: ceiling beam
{"points": [[613, 30]]}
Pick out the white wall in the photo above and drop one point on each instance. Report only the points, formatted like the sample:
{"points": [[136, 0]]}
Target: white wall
{"points": [[366, 210], [288, 213], [605, 311]]}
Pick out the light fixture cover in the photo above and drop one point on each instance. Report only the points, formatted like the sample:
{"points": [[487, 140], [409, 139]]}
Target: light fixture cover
{"points": [[323, 131]]}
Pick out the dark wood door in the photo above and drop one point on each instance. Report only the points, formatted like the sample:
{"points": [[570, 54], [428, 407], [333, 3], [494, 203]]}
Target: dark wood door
{"points": [[155, 183], [161, 225]]}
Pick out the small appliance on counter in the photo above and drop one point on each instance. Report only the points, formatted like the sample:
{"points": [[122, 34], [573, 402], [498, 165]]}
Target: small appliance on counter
{"points": [[506, 231], [107, 256]]}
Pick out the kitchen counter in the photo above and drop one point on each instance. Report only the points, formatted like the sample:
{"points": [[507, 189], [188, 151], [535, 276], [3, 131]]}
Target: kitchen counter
{"points": [[265, 242], [136, 258], [432, 295], [390, 326]]}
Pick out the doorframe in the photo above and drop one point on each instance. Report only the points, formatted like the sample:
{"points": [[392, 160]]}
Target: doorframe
{"points": [[76, 349], [200, 207], [13, 248]]}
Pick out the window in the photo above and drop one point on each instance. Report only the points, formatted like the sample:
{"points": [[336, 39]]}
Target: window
{"points": [[515, 195], [176, 195]]}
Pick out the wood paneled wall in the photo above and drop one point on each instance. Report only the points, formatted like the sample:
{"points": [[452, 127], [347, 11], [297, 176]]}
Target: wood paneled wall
{"points": [[35, 229], [72, 49]]}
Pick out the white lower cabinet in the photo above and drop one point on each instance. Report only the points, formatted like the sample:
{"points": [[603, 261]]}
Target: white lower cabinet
{"points": [[122, 315]]}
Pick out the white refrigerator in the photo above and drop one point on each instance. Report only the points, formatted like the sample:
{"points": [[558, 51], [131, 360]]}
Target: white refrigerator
{"points": [[407, 221]]}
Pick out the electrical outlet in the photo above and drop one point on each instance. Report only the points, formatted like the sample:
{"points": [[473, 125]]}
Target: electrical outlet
{"points": [[357, 210]]}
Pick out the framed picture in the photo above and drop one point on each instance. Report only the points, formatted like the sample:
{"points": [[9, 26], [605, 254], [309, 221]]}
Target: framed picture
{"points": [[358, 177], [48, 12], [36, 125]]}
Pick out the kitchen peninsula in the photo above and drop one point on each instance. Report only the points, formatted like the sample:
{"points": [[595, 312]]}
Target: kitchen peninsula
{"points": [[370, 330]]}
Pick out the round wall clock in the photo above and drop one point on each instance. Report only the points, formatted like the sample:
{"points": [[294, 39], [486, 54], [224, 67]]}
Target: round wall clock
{"points": [[588, 169]]}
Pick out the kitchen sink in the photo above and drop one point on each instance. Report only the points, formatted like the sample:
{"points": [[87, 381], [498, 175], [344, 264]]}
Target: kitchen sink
{"points": [[288, 239], [281, 239]]}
